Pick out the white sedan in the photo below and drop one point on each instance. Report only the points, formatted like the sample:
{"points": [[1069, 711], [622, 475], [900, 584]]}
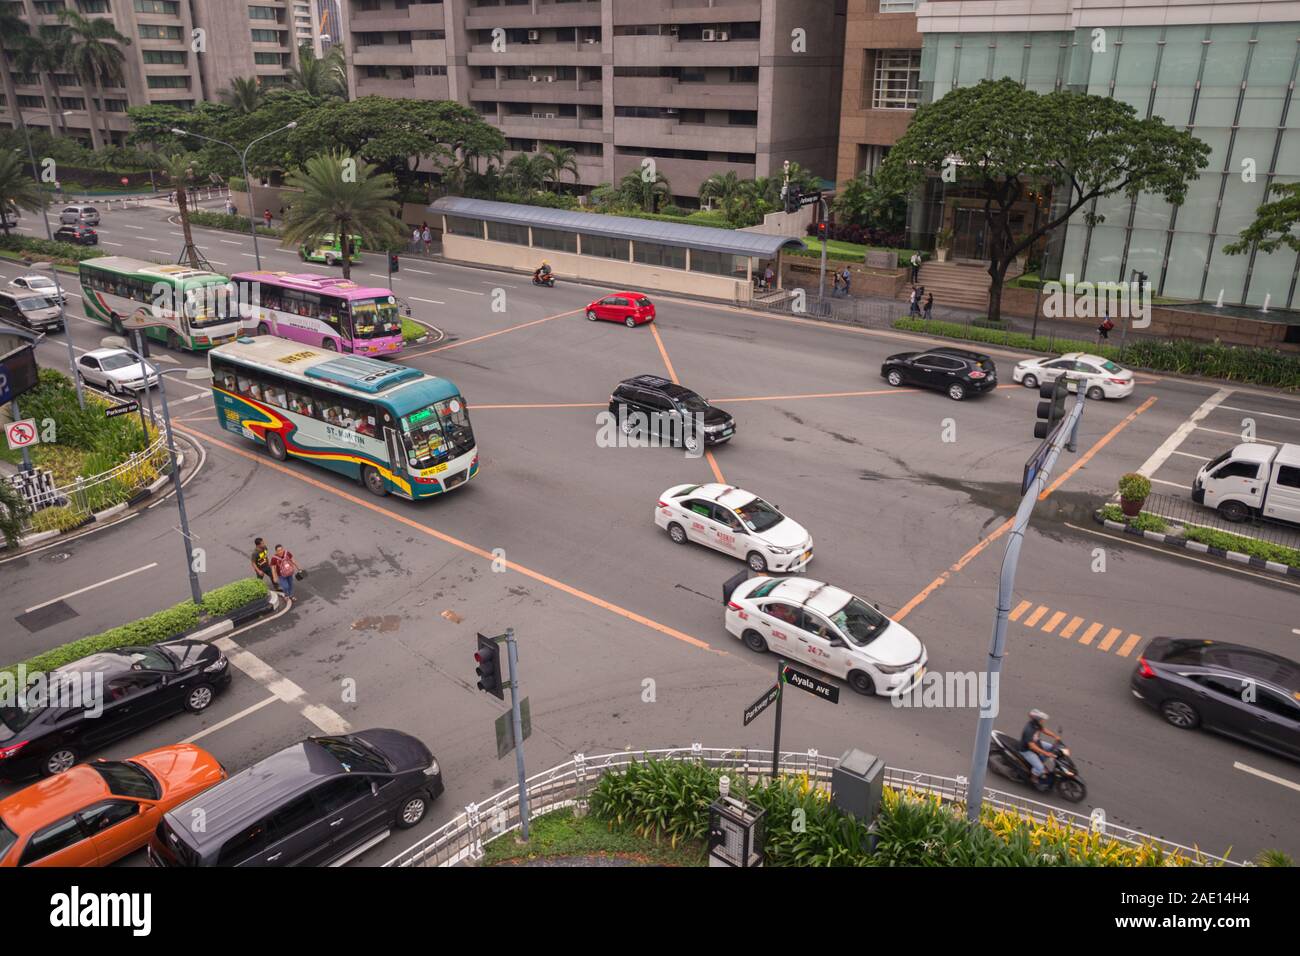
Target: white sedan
{"points": [[737, 523], [42, 284], [1103, 378], [827, 628], [115, 370]]}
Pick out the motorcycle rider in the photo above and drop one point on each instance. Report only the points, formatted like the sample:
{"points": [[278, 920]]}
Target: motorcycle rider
{"points": [[542, 272], [1034, 746]]}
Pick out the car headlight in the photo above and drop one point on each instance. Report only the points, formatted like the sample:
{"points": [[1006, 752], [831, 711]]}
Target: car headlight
{"points": [[432, 770], [775, 550], [217, 665], [895, 668]]}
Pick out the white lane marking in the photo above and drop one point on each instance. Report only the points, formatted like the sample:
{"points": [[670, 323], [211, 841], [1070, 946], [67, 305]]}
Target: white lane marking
{"points": [[376, 275], [452, 288], [129, 226], [1295, 630], [423, 272], [107, 243], [248, 254], [161, 252], [1237, 435], [217, 262], [230, 720], [1170, 444], [416, 298], [283, 688], [1188, 454], [89, 587], [1171, 484], [1251, 411], [1237, 765], [231, 242]]}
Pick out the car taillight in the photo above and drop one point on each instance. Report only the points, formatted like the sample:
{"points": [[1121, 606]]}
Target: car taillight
{"points": [[1144, 668], [1118, 381], [976, 374], [7, 752], [733, 606]]}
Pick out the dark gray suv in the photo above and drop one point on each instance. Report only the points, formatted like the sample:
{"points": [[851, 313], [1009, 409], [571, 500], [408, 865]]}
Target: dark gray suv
{"points": [[321, 802]]}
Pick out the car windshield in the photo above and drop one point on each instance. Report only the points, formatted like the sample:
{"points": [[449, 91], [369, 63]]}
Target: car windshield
{"points": [[641, 303], [19, 716], [151, 658], [127, 779], [373, 318], [759, 516], [437, 433], [355, 755], [860, 621], [35, 303], [689, 400], [111, 363], [210, 304]]}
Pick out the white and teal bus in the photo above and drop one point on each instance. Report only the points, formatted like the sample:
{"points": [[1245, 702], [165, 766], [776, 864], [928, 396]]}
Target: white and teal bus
{"points": [[115, 289], [394, 428]]}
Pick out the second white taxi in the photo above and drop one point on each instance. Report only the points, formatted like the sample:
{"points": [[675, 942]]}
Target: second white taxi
{"points": [[827, 628], [737, 523], [1102, 377]]}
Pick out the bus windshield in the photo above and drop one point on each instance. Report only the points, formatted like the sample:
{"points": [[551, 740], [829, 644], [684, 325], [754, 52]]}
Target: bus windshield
{"points": [[373, 318], [208, 305], [436, 433]]}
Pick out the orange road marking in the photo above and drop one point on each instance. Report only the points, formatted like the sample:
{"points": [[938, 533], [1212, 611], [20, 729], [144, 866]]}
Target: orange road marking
{"points": [[1110, 638], [1036, 616], [1021, 608], [457, 543], [1006, 526], [664, 352], [490, 335], [1070, 628], [1056, 619], [1090, 633], [1127, 647], [713, 463], [786, 398]]}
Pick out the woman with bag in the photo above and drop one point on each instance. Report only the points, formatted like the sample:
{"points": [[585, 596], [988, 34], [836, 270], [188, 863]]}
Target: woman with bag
{"points": [[286, 570]]}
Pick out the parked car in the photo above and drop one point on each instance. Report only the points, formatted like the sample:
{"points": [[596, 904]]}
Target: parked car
{"points": [[116, 370], [320, 802], [1253, 478], [78, 235], [32, 310], [43, 285], [735, 522], [828, 628], [101, 811], [1102, 378], [80, 214], [957, 372], [1232, 689], [654, 405], [96, 700], [630, 308]]}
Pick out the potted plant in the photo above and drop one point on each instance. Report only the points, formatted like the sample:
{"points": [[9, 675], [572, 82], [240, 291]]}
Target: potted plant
{"points": [[942, 240], [1133, 491]]}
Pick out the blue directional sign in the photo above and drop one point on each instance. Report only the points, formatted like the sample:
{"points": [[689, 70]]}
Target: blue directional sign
{"points": [[17, 373]]}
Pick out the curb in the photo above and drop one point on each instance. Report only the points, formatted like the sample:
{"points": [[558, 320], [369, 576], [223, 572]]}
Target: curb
{"points": [[1182, 544]]}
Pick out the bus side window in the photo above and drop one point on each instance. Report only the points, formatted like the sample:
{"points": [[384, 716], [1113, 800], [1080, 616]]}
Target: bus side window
{"points": [[275, 396], [300, 403]]}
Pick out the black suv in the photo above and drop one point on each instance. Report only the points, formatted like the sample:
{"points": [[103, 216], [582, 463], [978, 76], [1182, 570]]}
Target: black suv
{"points": [[955, 371], [321, 802], [81, 235], [94, 701], [1238, 691], [653, 404]]}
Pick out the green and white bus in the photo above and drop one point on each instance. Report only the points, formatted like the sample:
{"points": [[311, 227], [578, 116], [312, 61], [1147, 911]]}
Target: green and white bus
{"points": [[122, 292]]}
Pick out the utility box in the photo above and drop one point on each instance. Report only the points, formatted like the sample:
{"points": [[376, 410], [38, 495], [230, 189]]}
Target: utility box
{"points": [[857, 784], [735, 833]]}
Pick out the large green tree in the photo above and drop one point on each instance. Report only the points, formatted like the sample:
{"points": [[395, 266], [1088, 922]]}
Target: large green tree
{"points": [[346, 196], [1275, 223], [94, 55], [18, 190], [1000, 140], [866, 200]]}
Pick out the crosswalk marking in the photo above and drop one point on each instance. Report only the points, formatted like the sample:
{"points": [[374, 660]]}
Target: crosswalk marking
{"points": [[1021, 608], [1129, 643], [1036, 616], [1068, 631], [1090, 633], [1110, 638], [1052, 623]]}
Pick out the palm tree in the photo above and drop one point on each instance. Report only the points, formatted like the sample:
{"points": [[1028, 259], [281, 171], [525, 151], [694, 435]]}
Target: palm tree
{"points": [[244, 94], [179, 170], [18, 190], [320, 76], [719, 187], [746, 205], [644, 192], [44, 54], [94, 54], [525, 172], [559, 160], [345, 201], [12, 31]]}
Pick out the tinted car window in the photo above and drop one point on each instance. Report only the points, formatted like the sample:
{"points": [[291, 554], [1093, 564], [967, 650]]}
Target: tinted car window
{"points": [[246, 844], [126, 779], [107, 814], [52, 839], [150, 657], [1238, 469], [1286, 475], [337, 794], [7, 840], [292, 816], [656, 401], [354, 755], [1225, 686], [1271, 702]]}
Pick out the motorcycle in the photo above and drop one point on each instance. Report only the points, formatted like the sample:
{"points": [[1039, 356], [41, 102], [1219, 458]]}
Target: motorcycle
{"points": [[1063, 776], [547, 279]]}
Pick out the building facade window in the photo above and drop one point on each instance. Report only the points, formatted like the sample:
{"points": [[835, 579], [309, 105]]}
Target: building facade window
{"points": [[168, 7], [31, 102], [460, 226], [655, 254], [175, 57], [168, 82], [266, 36], [897, 6], [556, 239], [72, 103], [270, 59], [507, 232], [263, 13], [896, 80], [93, 6], [151, 31], [604, 247]]}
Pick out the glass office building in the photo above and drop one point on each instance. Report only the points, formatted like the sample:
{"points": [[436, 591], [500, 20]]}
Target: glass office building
{"points": [[1229, 84]]}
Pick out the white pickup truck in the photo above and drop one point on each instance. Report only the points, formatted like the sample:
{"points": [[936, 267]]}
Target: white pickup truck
{"points": [[1252, 479]]}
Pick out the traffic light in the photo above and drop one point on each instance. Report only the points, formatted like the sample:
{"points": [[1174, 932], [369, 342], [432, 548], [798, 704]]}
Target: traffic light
{"points": [[488, 659], [392, 262], [1051, 411], [821, 231]]}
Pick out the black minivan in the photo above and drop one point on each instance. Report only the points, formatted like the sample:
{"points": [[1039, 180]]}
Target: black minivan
{"points": [[654, 406], [321, 802]]}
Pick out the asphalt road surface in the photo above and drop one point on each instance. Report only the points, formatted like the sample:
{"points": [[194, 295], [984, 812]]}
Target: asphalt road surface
{"points": [[620, 631]]}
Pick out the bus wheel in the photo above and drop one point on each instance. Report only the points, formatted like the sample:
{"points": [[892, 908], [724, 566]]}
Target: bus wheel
{"points": [[275, 445], [173, 340], [330, 345], [374, 481], [329, 258]]}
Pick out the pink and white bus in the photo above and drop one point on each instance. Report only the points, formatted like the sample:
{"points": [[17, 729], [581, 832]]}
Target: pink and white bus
{"points": [[323, 311]]}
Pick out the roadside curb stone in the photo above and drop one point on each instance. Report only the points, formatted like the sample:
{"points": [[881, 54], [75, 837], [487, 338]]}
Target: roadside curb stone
{"points": [[1182, 544]]}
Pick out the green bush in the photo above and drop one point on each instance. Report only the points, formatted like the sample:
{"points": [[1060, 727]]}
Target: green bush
{"points": [[1113, 512], [1251, 546], [237, 184], [1149, 522], [56, 518], [1134, 487], [1247, 365], [59, 251], [157, 627], [219, 220]]}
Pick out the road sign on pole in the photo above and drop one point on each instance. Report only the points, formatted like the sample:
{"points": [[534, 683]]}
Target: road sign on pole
{"points": [[763, 703], [506, 728], [22, 434], [813, 685], [124, 409]]}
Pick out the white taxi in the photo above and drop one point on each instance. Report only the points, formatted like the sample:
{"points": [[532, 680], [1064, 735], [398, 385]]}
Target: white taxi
{"points": [[1102, 377], [827, 628], [737, 523]]}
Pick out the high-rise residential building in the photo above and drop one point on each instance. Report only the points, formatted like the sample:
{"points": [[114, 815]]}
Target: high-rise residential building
{"points": [[329, 24], [181, 52], [1223, 69], [304, 25], [882, 81], [701, 87]]}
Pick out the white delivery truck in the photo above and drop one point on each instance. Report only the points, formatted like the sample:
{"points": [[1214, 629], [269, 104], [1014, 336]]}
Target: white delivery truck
{"points": [[1252, 479]]}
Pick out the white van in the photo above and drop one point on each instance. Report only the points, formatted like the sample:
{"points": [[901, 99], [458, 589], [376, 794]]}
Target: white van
{"points": [[1253, 478]]}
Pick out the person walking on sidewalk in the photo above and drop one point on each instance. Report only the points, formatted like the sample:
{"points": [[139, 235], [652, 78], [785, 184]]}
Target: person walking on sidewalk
{"points": [[266, 217], [262, 563], [427, 238], [916, 267], [929, 307], [846, 275], [914, 302], [1103, 330], [230, 206], [415, 239], [285, 569]]}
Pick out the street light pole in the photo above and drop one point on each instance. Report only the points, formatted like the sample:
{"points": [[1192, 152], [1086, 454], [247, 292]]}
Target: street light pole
{"points": [[243, 164], [67, 333]]}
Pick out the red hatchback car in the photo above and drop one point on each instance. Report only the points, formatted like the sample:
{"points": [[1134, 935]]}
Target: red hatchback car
{"points": [[630, 308]]}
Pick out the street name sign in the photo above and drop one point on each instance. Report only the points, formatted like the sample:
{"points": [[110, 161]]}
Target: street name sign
{"points": [[813, 685], [123, 409], [763, 703]]}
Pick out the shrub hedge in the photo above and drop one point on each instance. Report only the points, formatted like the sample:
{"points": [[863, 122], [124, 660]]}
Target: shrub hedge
{"points": [[1251, 546], [58, 251], [1252, 366], [160, 626], [219, 220]]}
